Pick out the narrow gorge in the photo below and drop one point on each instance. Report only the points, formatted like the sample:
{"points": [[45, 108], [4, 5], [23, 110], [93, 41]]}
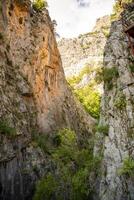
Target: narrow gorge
{"points": [[51, 146]]}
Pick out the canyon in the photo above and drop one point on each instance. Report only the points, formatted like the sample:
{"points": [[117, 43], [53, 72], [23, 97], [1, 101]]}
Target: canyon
{"points": [[36, 103]]}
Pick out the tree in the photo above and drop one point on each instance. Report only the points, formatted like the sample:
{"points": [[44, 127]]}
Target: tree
{"points": [[39, 4]]}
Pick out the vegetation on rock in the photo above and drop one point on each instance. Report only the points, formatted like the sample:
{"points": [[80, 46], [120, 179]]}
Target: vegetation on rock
{"points": [[45, 188], [87, 95], [76, 79], [73, 166], [131, 67], [7, 130], [90, 99], [103, 129], [120, 101], [39, 4], [128, 167], [118, 8], [110, 74]]}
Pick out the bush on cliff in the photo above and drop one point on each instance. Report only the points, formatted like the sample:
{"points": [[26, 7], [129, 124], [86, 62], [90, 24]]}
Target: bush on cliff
{"points": [[7, 130], [128, 167], [39, 4], [71, 168], [88, 95]]}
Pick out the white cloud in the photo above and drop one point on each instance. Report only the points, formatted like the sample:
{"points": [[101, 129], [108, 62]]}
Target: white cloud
{"points": [[77, 16]]}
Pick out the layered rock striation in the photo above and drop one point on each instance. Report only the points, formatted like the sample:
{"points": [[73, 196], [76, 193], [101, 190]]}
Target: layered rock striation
{"points": [[117, 115], [34, 96]]}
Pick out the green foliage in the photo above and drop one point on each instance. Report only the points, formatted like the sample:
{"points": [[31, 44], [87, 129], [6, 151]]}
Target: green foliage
{"points": [[39, 5], [76, 79], [130, 133], [80, 189], [42, 141], [65, 150], [73, 166], [120, 102], [128, 167], [103, 129], [99, 76], [86, 46], [90, 99], [131, 67], [109, 75], [117, 8], [87, 95], [45, 188], [7, 130], [106, 31]]}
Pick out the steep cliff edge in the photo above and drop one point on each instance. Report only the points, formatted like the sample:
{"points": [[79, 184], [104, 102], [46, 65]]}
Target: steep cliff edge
{"points": [[34, 96], [82, 59], [117, 118], [87, 48]]}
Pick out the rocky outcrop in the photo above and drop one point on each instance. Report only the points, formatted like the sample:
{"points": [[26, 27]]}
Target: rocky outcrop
{"points": [[82, 57], [34, 96], [87, 48], [118, 114]]}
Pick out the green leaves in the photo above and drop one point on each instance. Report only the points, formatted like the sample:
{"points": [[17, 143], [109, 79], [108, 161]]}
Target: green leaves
{"points": [[7, 130], [118, 8], [45, 188], [128, 167], [73, 166], [38, 5], [90, 99], [88, 95], [109, 76], [103, 129], [120, 101]]}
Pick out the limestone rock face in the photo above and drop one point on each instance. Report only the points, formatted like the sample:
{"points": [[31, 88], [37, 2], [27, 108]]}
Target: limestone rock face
{"points": [[87, 48], [118, 113], [85, 52], [34, 95]]}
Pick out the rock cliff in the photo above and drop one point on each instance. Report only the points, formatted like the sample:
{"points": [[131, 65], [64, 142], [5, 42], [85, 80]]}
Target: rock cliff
{"points": [[115, 137], [87, 48], [117, 115], [82, 57], [34, 96]]}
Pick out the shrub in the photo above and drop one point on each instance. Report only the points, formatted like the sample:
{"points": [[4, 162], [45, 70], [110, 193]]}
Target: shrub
{"points": [[39, 5], [128, 167], [103, 129], [72, 168], [45, 188], [80, 189], [131, 67], [42, 141], [90, 99], [87, 95], [76, 79], [120, 102], [106, 31], [7, 130], [65, 150], [109, 75], [117, 9], [99, 76], [130, 132]]}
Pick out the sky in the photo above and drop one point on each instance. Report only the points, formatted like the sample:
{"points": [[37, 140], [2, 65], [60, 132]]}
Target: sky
{"points": [[75, 17]]}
